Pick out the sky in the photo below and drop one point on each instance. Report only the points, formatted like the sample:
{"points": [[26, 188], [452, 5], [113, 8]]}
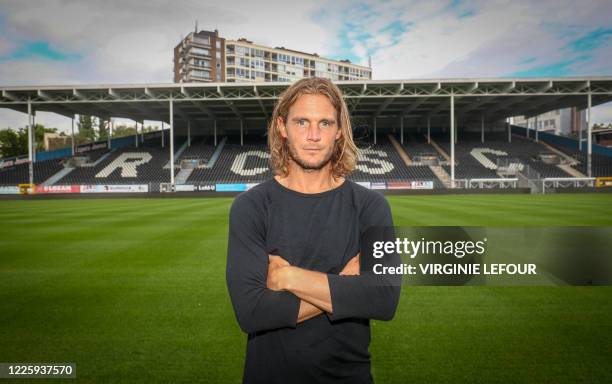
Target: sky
{"points": [[57, 42]]}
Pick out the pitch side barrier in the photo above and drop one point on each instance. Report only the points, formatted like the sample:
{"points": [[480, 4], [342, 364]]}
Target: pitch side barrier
{"points": [[209, 189], [461, 186], [546, 185], [31, 189], [555, 183], [241, 187], [396, 187]]}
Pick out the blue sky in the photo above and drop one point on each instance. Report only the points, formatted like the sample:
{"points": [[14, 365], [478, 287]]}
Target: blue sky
{"points": [[475, 39], [38, 49], [75, 42]]}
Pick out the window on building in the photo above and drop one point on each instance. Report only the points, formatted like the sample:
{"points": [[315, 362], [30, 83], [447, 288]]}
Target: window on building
{"points": [[201, 74], [218, 44], [241, 72], [284, 58], [258, 63], [204, 40], [201, 63], [200, 51]]}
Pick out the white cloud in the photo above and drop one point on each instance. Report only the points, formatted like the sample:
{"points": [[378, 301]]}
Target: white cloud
{"points": [[39, 71], [133, 41], [602, 113], [492, 42], [6, 46]]}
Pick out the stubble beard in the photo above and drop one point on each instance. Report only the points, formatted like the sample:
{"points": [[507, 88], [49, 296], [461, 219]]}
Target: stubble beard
{"points": [[305, 165]]}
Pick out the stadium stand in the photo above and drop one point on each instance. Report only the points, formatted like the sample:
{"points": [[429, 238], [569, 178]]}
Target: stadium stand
{"points": [[129, 165], [248, 163], [416, 146], [19, 174], [94, 155], [143, 165], [200, 150], [204, 164], [474, 159], [381, 162], [601, 165]]}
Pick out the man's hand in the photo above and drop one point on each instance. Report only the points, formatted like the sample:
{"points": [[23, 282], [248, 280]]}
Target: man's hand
{"points": [[278, 269], [311, 287], [352, 267], [277, 266]]}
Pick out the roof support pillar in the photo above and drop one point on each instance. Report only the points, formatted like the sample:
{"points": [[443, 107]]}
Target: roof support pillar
{"points": [[171, 142], [72, 136], [30, 143], [589, 134], [452, 139], [482, 128]]}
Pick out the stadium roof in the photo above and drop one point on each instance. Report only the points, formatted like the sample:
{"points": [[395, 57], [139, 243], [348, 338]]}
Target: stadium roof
{"points": [[494, 99]]}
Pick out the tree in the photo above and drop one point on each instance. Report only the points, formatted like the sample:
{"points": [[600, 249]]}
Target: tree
{"points": [[12, 143], [86, 129], [123, 130], [103, 127], [598, 126], [15, 142]]}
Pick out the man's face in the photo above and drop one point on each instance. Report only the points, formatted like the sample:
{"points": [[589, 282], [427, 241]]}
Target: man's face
{"points": [[311, 131]]}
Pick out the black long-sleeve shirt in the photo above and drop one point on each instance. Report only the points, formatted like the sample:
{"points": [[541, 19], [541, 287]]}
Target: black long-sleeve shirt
{"points": [[319, 232]]}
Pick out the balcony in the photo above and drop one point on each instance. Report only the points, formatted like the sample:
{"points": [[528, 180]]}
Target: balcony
{"points": [[200, 42]]}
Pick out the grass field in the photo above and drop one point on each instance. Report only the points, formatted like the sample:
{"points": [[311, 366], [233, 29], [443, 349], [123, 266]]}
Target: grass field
{"points": [[134, 290]]}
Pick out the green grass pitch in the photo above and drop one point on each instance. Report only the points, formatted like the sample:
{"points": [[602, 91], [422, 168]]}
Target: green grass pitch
{"points": [[133, 290]]}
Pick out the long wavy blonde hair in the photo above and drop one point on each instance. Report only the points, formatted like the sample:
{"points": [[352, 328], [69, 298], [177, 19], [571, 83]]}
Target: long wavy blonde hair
{"points": [[344, 155]]}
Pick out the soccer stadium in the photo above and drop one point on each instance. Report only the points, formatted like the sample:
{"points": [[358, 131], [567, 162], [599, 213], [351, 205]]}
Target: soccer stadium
{"points": [[424, 135], [113, 252]]}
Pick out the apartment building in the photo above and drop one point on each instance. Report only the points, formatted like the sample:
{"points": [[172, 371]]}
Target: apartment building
{"points": [[566, 122], [206, 57]]}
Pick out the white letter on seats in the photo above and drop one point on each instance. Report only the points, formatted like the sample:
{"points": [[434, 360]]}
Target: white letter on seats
{"points": [[240, 161], [385, 166], [128, 168]]}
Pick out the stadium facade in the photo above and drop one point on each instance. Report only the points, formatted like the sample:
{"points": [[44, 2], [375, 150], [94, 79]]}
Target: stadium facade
{"points": [[413, 134], [205, 56]]}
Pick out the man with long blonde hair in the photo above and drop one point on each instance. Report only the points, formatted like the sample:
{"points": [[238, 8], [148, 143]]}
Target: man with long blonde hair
{"points": [[293, 265]]}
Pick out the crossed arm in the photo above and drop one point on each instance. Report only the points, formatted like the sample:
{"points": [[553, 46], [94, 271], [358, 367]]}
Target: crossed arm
{"points": [[311, 287], [267, 293]]}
